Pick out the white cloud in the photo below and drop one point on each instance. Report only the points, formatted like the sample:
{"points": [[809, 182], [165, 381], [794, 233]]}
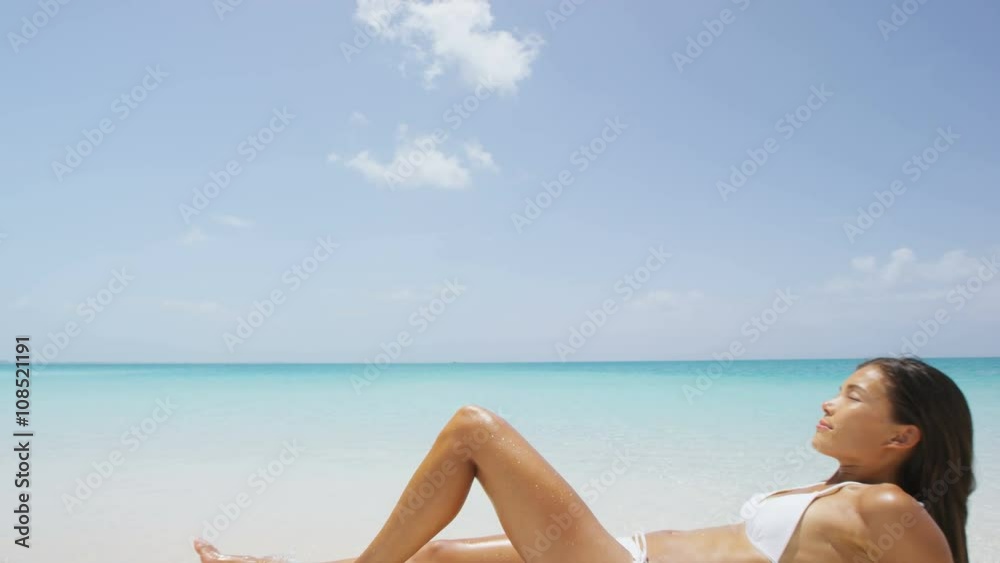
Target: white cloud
{"points": [[478, 155], [233, 221], [458, 34], [401, 295], [417, 162], [401, 130], [332, 157], [193, 236], [191, 307], [669, 299], [358, 119], [904, 276], [863, 263], [405, 294]]}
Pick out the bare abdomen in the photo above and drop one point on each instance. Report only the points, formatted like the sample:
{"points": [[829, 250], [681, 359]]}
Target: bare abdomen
{"points": [[723, 544]]}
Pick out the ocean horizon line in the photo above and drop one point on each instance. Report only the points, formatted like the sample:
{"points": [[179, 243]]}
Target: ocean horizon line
{"points": [[488, 362]]}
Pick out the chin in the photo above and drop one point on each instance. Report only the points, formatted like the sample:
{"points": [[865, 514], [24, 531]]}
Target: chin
{"points": [[823, 445], [819, 444]]}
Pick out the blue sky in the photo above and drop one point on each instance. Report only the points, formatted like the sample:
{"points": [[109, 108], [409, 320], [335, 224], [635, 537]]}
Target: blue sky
{"points": [[330, 99]]}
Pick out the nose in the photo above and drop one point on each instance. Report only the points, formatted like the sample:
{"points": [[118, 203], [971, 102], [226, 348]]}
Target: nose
{"points": [[827, 407]]}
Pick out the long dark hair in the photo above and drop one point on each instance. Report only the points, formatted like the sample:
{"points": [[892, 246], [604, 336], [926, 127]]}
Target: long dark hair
{"points": [[939, 472]]}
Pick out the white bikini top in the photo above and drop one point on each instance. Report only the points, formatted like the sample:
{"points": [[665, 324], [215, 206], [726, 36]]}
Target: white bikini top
{"points": [[770, 523]]}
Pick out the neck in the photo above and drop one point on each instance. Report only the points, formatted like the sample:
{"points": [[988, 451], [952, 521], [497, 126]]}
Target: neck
{"points": [[862, 474]]}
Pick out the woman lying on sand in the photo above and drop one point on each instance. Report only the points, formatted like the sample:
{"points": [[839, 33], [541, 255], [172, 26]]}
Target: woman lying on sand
{"points": [[900, 429]]}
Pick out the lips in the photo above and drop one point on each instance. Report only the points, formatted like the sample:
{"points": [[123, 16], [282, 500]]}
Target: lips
{"points": [[825, 424]]}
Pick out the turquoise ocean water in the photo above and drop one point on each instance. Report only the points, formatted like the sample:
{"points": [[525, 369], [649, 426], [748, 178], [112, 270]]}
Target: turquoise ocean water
{"points": [[130, 461]]}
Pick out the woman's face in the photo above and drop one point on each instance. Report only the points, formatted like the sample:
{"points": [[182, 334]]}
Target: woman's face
{"points": [[859, 419]]}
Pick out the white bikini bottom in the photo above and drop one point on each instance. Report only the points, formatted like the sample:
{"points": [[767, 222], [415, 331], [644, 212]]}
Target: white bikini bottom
{"points": [[636, 546]]}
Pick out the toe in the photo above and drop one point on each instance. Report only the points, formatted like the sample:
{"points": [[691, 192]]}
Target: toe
{"points": [[205, 550]]}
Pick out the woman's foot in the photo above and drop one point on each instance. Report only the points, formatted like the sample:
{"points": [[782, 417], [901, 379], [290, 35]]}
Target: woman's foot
{"points": [[209, 554]]}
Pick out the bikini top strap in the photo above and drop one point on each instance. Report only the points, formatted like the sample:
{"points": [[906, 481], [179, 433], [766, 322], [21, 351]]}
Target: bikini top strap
{"points": [[836, 485], [771, 494]]}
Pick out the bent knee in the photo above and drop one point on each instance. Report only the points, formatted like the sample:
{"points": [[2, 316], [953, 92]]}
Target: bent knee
{"points": [[438, 551], [475, 416], [472, 426]]}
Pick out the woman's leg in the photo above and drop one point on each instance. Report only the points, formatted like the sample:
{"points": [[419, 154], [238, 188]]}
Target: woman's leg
{"points": [[492, 549], [539, 511], [544, 518]]}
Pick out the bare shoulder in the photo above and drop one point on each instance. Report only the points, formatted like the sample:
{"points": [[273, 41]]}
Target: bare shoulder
{"points": [[874, 499], [900, 527]]}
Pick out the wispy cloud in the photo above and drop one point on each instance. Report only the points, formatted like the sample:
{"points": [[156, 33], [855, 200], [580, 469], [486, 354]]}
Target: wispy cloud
{"points": [[358, 119], [479, 156], [903, 276], [903, 271], [400, 295], [20, 303], [194, 235], [233, 221], [457, 34], [416, 163], [191, 307], [406, 294], [664, 298]]}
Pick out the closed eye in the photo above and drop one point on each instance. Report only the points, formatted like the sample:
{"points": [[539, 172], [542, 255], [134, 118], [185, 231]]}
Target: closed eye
{"points": [[850, 388]]}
